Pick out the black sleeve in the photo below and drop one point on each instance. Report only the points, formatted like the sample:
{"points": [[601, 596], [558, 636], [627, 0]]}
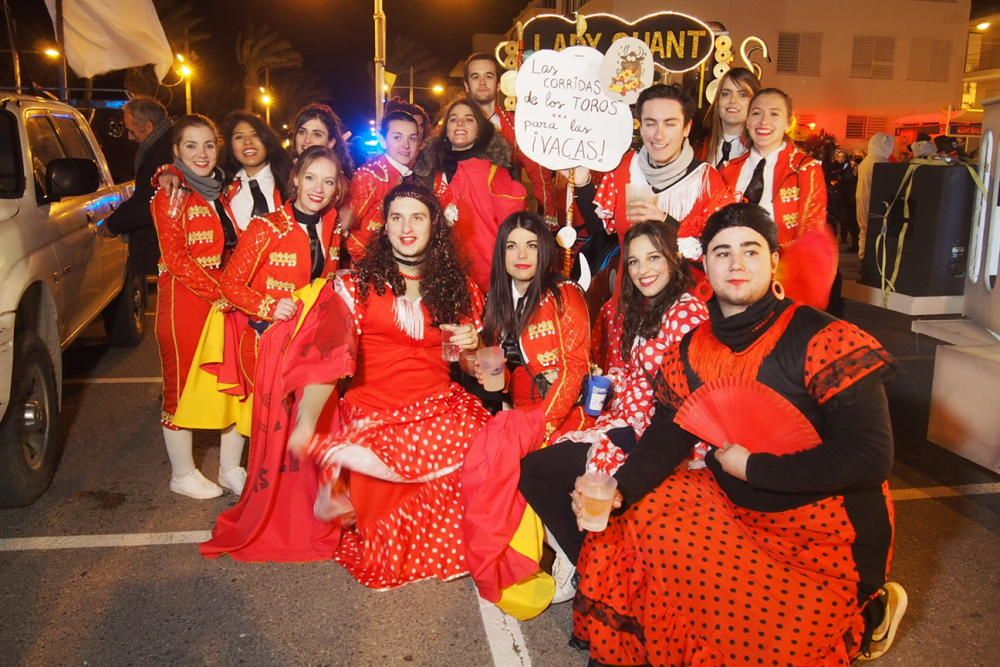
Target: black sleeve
{"points": [[134, 213], [584, 198], [856, 451], [661, 448]]}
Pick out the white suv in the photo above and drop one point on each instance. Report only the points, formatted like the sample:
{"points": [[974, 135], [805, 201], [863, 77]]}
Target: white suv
{"points": [[58, 273]]}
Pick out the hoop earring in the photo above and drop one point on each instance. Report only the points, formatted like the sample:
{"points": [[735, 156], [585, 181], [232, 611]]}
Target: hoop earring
{"points": [[778, 290]]}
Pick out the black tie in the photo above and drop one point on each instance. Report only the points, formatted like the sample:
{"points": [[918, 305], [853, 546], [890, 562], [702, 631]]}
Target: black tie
{"points": [[228, 228], [510, 344], [259, 201], [726, 150], [315, 250], [755, 188]]}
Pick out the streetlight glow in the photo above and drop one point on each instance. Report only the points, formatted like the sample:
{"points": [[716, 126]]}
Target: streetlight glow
{"points": [[437, 89], [51, 52], [265, 99], [185, 71], [983, 25], [180, 57]]}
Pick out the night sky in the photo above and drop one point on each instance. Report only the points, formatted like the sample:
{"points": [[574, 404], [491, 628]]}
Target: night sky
{"points": [[335, 37]]}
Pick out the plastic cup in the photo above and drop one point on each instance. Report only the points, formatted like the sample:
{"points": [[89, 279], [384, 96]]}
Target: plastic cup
{"points": [[596, 394], [639, 192], [597, 491], [178, 198], [467, 361], [449, 351], [491, 365]]}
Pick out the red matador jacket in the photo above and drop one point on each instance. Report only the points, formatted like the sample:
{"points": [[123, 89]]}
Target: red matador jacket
{"points": [[543, 181], [808, 249], [192, 244], [689, 201], [482, 195], [369, 186], [556, 346], [233, 189], [272, 260]]}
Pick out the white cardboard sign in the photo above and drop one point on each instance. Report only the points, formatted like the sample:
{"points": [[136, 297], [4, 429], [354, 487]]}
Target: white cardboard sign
{"points": [[564, 118]]}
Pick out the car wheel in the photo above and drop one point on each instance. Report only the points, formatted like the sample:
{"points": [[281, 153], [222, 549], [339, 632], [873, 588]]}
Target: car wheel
{"points": [[125, 317], [29, 452]]}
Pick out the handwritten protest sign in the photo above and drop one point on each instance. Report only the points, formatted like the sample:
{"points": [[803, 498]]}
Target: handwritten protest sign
{"points": [[564, 118]]}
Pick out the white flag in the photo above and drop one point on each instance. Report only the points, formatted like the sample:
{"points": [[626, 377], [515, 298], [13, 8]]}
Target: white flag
{"points": [[105, 35]]}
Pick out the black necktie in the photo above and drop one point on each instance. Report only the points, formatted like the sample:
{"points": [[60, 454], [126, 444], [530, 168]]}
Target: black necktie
{"points": [[510, 344], [726, 150], [259, 201], [755, 188], [228, 228], [315, 249]]}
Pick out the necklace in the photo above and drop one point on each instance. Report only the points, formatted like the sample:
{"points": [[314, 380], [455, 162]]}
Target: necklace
{"points": [[410, 277], [417, 261]]}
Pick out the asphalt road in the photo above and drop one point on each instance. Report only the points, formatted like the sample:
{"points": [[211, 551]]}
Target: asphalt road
{"points": [[119, 603]]}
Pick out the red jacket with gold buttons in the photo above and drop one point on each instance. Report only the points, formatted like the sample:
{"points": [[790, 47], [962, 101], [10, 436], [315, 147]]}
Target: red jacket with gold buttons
{"points": [[272, 260], [191, 243], [809, 251], [556, 345], [369, 186]]}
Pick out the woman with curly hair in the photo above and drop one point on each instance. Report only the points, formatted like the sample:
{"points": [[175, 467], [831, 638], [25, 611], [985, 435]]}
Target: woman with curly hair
{"points": [[656, 310], [542, 323], [468, 169], [392, 474], [258, 167]]}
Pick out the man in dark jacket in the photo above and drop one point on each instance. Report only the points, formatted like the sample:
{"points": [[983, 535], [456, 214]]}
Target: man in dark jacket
{"points": [[148, 125]]}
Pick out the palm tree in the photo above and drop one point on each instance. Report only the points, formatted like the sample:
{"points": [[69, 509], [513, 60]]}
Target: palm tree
{"points": [[404, 53], [259, 49], [181, 26], [296, 89]]}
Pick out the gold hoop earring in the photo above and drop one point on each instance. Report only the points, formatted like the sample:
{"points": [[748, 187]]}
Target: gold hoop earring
{"points": [[778, 290]]}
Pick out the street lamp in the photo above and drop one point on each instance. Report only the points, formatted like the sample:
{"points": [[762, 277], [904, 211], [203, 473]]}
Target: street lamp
{"points": [[51, 52], [185, 71], [379, 59], [266, 99]]}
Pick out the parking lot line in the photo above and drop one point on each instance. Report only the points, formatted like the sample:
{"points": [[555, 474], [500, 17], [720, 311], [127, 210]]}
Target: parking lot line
{"points": [[503, 633], [98, 541], [134, 380], [926, 492]]}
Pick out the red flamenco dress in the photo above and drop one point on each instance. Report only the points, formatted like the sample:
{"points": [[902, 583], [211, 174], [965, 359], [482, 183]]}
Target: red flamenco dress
{"points": [[407, 428], [690, 201], [706, 569], [503, 534], [274, 520]]}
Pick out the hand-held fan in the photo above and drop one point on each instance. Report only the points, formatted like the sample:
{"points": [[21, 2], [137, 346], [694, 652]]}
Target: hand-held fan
{"points": [[749, 413]]}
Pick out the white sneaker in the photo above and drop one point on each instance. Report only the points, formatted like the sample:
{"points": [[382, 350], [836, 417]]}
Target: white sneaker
{"points": [[564, 572], [233, 479], [195, 485]]}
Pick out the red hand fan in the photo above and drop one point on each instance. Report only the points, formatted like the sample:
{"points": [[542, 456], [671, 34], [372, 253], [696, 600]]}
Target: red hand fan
{"points": [[749, 413]]}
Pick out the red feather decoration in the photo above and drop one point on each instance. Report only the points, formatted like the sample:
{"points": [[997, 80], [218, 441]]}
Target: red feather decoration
{"points": [[748, 413]]}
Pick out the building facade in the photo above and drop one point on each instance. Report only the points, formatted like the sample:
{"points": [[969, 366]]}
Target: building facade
{"points": [[852, 67]]}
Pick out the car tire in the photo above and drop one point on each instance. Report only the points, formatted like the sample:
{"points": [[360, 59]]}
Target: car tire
{"points": [[29, 451], [125, 317]]}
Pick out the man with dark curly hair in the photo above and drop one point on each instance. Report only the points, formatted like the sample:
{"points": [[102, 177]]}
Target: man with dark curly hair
{"points": [[391, 476]]}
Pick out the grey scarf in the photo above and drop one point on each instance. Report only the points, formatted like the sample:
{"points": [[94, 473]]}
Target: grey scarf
{"points": [[209, 187], [162, 128], [662, 177]]}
